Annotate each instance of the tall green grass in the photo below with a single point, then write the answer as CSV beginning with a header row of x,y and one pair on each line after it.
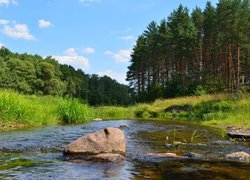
x,y
72,111
220,110
112,112
17,109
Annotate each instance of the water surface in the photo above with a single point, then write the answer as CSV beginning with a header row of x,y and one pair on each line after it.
x,y
37,153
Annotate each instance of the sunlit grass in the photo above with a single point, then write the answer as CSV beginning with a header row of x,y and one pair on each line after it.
x,y
25,110
72,111
217,109
112,112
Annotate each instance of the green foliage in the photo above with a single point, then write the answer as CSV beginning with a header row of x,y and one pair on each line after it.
x,y
146,112
110,112
194,136
30,74
17,109
199,91
205,51
212,109
72,111
14,108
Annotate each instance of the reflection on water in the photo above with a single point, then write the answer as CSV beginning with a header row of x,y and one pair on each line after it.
x,y
37,153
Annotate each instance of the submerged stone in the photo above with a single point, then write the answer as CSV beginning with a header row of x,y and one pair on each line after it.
x,y
239,156
165,155
193,155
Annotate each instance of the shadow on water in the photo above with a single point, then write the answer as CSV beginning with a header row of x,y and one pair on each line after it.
x,y
37,153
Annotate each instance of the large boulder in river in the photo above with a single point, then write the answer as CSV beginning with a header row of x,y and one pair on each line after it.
x,y
239,156
107,145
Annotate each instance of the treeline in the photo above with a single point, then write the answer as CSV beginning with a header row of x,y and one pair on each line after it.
x,y
202,51
32,74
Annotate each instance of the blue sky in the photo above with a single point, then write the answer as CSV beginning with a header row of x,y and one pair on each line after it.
x,y
94,35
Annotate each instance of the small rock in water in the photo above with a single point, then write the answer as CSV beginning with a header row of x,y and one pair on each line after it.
x,y
123,126
164,155
193,155
239,156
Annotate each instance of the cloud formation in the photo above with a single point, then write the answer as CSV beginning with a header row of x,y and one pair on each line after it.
x,y
120,77
43,23
1,45
121,56
88,50
18,31
71,57
7,2
4,22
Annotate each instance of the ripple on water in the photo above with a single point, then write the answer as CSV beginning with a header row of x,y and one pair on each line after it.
x,y
37,153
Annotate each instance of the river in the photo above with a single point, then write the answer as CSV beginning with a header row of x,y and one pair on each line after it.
x,y
37,153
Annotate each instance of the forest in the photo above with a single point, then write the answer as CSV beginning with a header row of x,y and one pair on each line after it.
x,y
33,74
205,51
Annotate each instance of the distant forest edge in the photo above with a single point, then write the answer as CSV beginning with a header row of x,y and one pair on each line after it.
x,y
32,74
206,51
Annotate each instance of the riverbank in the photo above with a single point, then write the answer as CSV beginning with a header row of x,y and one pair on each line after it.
x,y
18,111
221,110
218,110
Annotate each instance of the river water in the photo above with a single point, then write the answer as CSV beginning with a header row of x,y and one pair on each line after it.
x,y
37,153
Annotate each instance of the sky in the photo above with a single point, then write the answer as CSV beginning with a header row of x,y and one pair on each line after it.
x,y
96,36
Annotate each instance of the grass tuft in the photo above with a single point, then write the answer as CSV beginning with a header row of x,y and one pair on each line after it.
x,y
71,111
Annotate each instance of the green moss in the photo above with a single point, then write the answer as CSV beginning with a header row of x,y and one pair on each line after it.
x,y
9,161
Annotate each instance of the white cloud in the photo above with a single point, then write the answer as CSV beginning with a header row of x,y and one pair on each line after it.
x,y
126,38
18,31
120,77
71,52
4,22
121,56
43,23
1,45
7,2
88,2
72,58
88,50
